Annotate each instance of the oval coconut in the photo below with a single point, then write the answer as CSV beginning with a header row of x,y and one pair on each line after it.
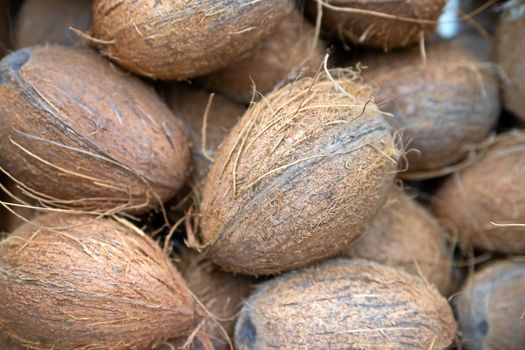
x,y
313,159
77,132
289,53
360,21
102,283
442,107
48,22
491,307
484,204
510,50
182,39
343,304
404,235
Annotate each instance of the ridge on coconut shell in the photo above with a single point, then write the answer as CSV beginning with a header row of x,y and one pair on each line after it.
x,y
77,132
313,159
175,40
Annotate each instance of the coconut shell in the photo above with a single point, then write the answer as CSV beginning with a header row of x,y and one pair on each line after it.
x,y
72,282
77,132
289,53
441,108
490,308
182,39
404,235
369,30
510,50
484,204
48,22
344,304
313,158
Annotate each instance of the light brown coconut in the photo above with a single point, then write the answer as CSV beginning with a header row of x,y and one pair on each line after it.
x,y
404,235
440,108
363,22
182,39
291,52
313,159
510,50
344,304
491,308
484,204
48,22
77,282
77,132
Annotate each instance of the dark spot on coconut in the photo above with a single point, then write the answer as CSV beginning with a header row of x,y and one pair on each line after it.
x,y
483,327
17,59
247,333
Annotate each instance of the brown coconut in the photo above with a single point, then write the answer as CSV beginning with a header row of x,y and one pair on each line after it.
x,y
384,24
75,282
291,52
344,304
404,235
510,50
440,108
48,22
491,308
484,204
312,159
182,39
78,132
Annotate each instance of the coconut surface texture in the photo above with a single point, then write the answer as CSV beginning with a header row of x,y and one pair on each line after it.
x,y
298,178
363,22
484,204
291,52
510,50
75,282
48,22
182,39
440,108
404,235
78,132
490,308
345,304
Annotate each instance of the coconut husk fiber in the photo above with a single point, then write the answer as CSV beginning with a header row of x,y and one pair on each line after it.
x,y
16,208
77,132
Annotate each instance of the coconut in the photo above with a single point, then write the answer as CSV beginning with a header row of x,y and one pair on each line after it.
x,y
406,236
181,39
48,21
491,307
313,158
484,204
441,107
101,282
76,132
292,51
510,50
384,24
345,303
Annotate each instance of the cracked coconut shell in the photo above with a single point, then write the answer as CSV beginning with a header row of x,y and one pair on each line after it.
x,y
77,282
77,132
298,178
491,308
345,304
182,39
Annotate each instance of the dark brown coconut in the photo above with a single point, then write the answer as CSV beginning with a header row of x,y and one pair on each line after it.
x,y
78,132
48,21
491,307
291,52
313,159
404,235
75,282
343,304
181,39
371,30
484,205
440,108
